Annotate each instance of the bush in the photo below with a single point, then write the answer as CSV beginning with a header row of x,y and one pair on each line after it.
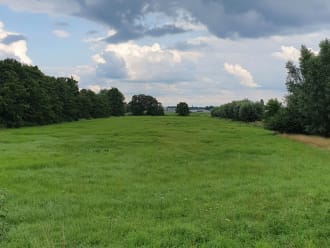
x,y
216,112
247,112
284,121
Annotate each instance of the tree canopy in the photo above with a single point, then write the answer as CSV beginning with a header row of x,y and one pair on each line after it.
x,y
182,109
308,99
145,105
29,97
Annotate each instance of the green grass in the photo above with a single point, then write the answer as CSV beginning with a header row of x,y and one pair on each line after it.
x,y
161,182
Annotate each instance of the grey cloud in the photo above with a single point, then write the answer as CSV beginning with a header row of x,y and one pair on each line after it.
x,y
12,38
114,68
256,18
166,29
139,31
224,18
125,17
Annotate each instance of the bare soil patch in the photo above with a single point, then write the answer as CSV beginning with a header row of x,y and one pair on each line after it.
x,y
315,141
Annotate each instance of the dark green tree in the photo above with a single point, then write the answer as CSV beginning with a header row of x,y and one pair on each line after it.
x,y
68,93
182,109
145,105
308,101
271,108
87,104
116,102
28,97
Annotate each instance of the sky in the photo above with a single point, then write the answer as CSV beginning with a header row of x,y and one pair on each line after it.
x,y
203,52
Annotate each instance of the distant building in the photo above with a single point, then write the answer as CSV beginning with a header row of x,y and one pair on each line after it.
x,y
199,110
172,109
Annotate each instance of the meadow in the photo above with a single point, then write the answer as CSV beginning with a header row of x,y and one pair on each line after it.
x,y
161,182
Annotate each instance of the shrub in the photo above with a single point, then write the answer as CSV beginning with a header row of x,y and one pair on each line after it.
x,y
244,110
284,121
247,112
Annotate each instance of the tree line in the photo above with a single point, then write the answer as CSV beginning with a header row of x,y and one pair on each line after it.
x,y
244,110
306,108
28,97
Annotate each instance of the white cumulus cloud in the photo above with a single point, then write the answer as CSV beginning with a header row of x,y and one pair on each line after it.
x,y
245,77
154,63
13,45
288,53
98,59
94,87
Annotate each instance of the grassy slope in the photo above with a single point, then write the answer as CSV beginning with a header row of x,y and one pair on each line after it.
x,y
162,182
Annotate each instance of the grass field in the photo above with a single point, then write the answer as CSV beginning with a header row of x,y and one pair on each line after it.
x,y
161,182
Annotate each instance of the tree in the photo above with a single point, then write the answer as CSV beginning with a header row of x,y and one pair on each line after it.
x,y
272,107
308,101
116,102
145,105
68,93
182,109
29,97
86,104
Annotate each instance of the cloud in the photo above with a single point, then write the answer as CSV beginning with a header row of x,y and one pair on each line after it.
x,y
13,45
136,19
98,59
242,74
288,54
94,87
82,73
45,6
110,65
154,63
11,38
61,33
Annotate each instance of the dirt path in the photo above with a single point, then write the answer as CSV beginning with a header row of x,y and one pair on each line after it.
x,y
315,141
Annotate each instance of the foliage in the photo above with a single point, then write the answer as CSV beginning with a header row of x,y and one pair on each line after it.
x,y
116,102
284,121
244,110
271,108
145,105
250,111
182,109
308,101
162,182
28,97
